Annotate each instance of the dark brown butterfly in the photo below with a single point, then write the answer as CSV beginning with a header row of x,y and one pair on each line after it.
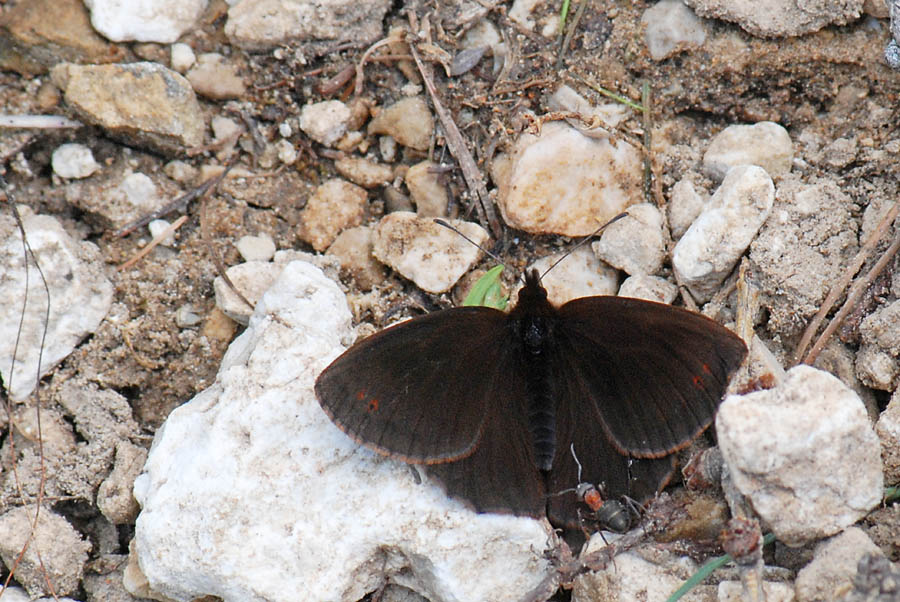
x,y
493,401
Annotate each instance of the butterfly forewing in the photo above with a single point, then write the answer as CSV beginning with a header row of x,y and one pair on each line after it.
x,y
418,391
653,374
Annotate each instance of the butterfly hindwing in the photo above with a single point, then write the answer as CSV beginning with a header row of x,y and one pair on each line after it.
x,y
580,434
653,374
420,390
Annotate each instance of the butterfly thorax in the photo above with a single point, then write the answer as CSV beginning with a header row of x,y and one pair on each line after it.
x,y
533,319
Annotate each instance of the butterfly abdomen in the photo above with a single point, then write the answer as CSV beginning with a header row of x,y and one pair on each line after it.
x,y
541,408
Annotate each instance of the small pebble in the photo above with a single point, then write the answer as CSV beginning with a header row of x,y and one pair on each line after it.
x,y
609,115
215,78
285,130
564,182
579,274
685,204
57,552
224,128
256,248
162,21
363,172
157,227
287,154
430,255
252,279
634,244
407,121
145,104
187,316
717,239
73,161
670,27
180,171
387,146
808,487
138,191
877,363
182,57
428,193
833,566
765,144
334,206
649,288
888,430
114,498
353,248
326,121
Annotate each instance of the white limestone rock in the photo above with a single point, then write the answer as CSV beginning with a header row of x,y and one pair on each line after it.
x,y
80,297
804,454
73,161
649,288
251,493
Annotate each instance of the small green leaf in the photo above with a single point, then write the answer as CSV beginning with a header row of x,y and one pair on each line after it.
x,y
487,291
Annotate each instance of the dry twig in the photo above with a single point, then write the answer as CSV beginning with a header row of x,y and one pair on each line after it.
x,y
154,243
856,291
460,151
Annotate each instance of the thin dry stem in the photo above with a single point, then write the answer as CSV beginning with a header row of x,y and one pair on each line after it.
x,y
154,243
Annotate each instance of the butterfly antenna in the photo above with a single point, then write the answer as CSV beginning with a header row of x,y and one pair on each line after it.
x,y
572,449
582,242
455,229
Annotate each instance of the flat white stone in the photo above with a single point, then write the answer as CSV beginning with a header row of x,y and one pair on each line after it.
x,y
804,454
256,248
251,493
80,297
428,254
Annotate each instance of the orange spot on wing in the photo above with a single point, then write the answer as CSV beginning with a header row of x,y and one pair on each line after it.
x,y
373,405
